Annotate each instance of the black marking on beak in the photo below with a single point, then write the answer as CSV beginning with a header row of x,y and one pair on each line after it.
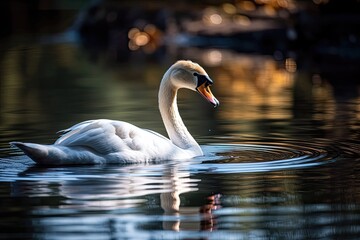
x,y
201,79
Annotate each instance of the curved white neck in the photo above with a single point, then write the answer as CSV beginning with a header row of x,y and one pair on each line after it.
x,y
174,125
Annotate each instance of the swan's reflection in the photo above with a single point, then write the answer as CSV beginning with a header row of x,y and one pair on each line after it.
x,y
162,202
170,203
139,190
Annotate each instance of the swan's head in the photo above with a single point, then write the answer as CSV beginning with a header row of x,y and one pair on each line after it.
x,y
190,75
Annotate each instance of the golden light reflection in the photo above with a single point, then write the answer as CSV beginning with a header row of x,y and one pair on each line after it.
x,y
132,32
148,39
246,5
242,20
326,107
290,65
214,57
283,3
141,39
138,38
252,83
212,17
215,18
229,8
269,10
252,88
278,3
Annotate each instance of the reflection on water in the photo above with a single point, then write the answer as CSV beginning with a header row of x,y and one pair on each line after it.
x,y
180,200
281,152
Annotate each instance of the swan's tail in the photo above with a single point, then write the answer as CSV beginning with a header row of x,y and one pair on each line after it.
x,y
37,152
58,155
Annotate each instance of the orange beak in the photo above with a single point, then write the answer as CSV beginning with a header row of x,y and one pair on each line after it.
x,y
204,90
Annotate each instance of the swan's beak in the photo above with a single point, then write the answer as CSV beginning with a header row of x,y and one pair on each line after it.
x,y
204,90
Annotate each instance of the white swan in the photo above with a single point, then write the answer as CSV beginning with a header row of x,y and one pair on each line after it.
x,y
109,141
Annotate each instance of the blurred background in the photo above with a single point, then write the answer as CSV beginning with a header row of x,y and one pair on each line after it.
x,y
272,60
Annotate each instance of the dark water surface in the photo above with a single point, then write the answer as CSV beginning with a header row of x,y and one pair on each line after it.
x,y
282,152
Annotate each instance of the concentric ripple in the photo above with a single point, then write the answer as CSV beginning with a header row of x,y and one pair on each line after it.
x,y
260,157
249,157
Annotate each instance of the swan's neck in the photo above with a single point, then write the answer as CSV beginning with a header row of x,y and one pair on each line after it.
x,y
174,125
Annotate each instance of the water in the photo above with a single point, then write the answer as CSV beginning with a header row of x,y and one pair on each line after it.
x,y
282,152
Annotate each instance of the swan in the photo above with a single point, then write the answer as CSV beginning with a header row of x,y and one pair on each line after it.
x,y
108,141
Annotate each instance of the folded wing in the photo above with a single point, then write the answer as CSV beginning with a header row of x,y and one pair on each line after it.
x,y
110,137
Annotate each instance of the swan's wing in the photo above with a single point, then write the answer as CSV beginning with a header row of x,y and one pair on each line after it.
x,y
76,126
106,136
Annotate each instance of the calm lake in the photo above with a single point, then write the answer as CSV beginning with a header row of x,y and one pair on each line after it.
x,y
282,151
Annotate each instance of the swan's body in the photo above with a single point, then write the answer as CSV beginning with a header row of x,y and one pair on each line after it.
x,y
108,141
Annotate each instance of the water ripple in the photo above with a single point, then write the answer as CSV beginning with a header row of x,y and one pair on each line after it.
x,y
260,157
250,157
